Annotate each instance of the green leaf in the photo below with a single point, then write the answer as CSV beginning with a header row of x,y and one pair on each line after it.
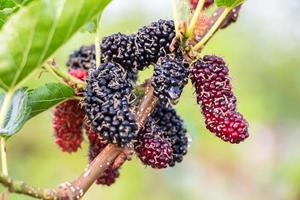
x,y
18,112
229,3
36,31
26,104
9,7
45,97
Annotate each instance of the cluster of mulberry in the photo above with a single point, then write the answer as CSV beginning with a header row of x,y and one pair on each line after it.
x,y
109,104
231,17
164,130
169,78
141,49
214,93
108,91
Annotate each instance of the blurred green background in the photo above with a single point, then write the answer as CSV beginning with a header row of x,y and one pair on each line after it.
x,y
262,50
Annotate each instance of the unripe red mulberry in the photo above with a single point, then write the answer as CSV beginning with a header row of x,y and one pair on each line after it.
x,y
207,3
97,144
67,124
78,73
214,93
173,129
152,148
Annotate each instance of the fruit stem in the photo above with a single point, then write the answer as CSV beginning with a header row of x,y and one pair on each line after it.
x,y
212,30
190,29
3,157
3,112
175,18
97,42
54,70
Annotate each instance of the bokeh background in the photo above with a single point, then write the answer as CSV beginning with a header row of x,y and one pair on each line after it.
x,y
262,50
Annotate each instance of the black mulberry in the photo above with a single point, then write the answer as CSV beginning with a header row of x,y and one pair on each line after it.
x,y
154,41
107,103
169,78
83,58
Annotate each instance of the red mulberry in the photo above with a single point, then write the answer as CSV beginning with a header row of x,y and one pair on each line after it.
x,y
67,124
214,93
107,103
97,144
207,3
169,78
152,148
173,128
78,73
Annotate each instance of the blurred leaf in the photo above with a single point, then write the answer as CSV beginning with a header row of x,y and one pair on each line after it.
x,y
90,27
45,97
7,4
9,7
229,3
26,104
35,32
17,114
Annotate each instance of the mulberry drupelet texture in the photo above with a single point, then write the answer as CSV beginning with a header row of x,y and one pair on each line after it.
x,y
214,93
107,103
67,124
153,148
83,58
169,78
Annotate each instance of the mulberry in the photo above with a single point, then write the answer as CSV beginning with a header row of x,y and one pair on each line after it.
x,y
154,41
67,124
107,103
169,78
231,17
78,73
214,93
152,148
97,144
173,128
83,58
118,48
207,3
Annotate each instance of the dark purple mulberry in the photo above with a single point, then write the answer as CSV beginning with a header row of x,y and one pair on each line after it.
x,y
83,58
107,103
214,93
152,148
173,128
169,78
